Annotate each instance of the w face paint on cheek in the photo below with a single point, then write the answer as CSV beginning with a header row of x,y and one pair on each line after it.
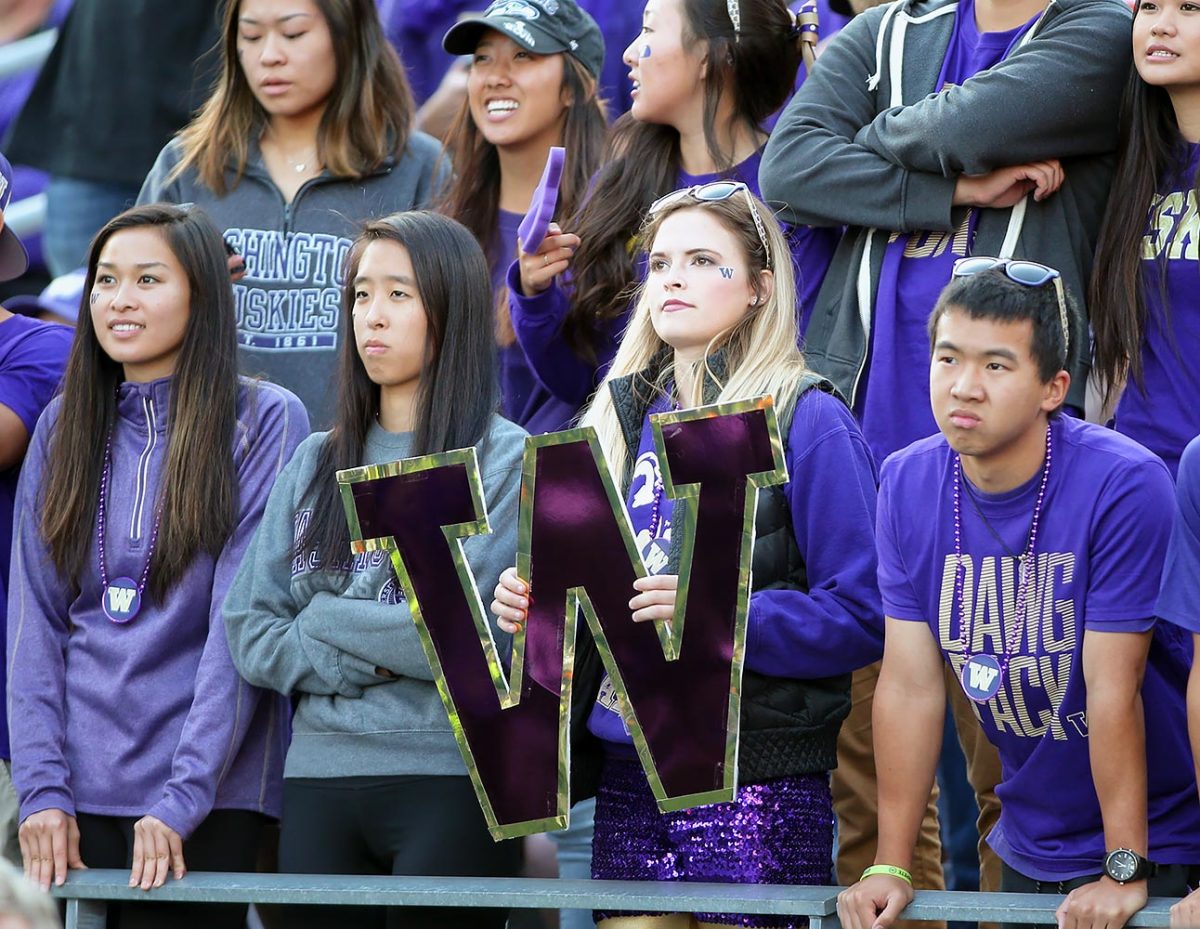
x,y
645,52
95,297
726,273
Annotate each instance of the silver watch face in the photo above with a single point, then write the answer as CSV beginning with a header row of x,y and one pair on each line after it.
x,y
1121,866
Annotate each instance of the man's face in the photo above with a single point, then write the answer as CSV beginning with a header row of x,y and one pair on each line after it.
x,y
987,393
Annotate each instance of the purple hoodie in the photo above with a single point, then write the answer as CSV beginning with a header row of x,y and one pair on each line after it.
x,y
152,719
538,320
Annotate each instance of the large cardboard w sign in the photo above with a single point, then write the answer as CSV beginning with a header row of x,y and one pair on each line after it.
x,y
679,681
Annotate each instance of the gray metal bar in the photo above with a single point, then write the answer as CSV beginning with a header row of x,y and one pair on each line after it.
x,y
516,893
818,903
26,54
962,906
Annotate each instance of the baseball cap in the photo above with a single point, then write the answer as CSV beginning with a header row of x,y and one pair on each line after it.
x,y
541,26
13,259
61,297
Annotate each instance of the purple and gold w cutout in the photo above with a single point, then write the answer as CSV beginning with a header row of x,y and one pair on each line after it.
x,y
680,695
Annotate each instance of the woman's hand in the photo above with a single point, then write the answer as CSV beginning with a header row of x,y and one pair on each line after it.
x,y
510,603
655,598
157,849
49,846
552,258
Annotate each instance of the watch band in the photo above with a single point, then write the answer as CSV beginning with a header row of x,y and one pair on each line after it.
x,y
1143,867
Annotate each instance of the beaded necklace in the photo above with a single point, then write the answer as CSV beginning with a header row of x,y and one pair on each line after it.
x,y
122,597
982,675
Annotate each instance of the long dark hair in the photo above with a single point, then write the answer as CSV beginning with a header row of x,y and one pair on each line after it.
x,y
199,496
474,196
457,395
643,160
368,116
1151,148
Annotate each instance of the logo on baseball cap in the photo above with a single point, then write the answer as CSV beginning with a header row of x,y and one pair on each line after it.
x,y
544,27
13,259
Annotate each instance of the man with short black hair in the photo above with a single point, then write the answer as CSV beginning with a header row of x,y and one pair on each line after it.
x,y
1024,548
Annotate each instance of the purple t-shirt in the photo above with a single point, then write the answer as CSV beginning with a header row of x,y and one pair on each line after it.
x,y
1100,545
893,404
33,355
1179,597
523,399
836,625
1163,413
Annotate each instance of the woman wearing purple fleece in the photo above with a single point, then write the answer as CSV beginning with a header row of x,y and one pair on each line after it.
x,y
715,321
532,85
707,74
135,743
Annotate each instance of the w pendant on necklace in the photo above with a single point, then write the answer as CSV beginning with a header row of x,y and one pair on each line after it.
x,y
981,678
122,599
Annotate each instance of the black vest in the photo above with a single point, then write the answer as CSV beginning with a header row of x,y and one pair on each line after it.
x,y
789,726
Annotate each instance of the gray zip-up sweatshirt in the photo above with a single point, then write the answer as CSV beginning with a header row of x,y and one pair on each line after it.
x,y
289,300
867,143
296,631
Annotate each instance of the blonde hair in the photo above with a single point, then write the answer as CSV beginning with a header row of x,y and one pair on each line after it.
x,y
23,900
761,352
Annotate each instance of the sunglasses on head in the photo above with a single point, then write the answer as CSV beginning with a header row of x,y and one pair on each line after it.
x,y
1022,271
712,193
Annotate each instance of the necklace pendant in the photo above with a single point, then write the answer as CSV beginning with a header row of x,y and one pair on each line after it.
x,y
300,168
122,600
981,678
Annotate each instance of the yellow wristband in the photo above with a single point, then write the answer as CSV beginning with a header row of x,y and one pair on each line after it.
x,y
890,870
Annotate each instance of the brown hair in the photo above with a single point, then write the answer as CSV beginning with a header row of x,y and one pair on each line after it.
x,y
199,496
368,115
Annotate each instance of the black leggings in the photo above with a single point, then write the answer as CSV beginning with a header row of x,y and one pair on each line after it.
x,y
390,825
227,840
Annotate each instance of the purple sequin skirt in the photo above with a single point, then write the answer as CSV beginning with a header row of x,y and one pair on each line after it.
x,y
776,832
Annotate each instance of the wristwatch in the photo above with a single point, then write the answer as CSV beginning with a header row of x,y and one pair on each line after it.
x,y
1124,865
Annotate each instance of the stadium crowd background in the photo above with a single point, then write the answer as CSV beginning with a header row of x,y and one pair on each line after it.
x,y
294,124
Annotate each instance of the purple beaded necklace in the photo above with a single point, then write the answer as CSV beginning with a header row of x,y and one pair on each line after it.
x,y
982,675
122,597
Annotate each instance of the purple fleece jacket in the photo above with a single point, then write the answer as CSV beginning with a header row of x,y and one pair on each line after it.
x,y
152,717
538,320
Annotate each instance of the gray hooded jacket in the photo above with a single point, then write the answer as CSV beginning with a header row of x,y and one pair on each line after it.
x,y
867,143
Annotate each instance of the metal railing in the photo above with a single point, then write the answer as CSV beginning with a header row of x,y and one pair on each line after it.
x,y
87,893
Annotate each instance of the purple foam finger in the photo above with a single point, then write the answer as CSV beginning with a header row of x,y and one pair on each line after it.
x,y
541,207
